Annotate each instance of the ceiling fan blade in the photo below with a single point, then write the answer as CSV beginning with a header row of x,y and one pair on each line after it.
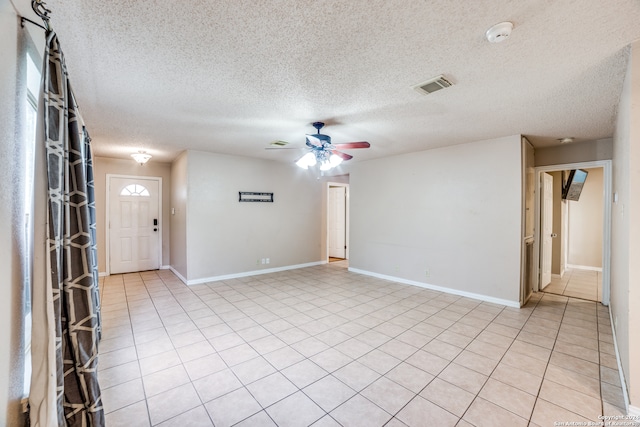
x,y
313,142
350,145
344,156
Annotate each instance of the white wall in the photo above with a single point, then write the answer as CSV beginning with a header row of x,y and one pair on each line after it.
x,y
585,222
588,151
224,236
625,228
178,217
456,211
104,166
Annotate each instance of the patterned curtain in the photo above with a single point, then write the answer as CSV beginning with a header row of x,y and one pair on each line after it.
x,y
71,242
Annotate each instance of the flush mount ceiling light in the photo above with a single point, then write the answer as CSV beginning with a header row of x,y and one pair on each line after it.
x,y
566,140
141,157
499,32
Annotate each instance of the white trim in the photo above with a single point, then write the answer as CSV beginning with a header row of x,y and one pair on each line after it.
x,y
108,214
180,276
606,223
620,372
165,267
347,214
634,410
584,267
102,274
246,273
508,303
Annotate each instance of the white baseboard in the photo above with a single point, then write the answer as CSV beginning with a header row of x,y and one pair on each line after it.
x,y
634,411
629,408
102,274
180,276
508,303
247,273
584,267
165,267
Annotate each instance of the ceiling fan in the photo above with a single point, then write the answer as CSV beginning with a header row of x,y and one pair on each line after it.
x,y
323,152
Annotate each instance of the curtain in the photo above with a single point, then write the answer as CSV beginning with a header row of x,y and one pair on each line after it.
x,y
72,300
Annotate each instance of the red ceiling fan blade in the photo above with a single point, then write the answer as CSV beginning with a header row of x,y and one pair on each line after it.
x,y
350,145
344,156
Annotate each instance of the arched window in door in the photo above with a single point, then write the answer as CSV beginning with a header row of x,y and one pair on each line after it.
x,y
135,190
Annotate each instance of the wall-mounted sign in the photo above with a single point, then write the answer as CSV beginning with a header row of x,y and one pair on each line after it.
x,y
248,196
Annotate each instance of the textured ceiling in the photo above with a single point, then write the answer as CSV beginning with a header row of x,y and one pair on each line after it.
x,y
232,76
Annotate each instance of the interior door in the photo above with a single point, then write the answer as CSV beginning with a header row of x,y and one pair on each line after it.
x,y
337,222
547,229
134,226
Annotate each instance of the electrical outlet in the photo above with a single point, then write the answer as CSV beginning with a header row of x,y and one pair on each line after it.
x,y
427,273
267,260
263,261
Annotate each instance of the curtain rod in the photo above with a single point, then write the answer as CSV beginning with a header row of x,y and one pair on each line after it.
x,y
23,19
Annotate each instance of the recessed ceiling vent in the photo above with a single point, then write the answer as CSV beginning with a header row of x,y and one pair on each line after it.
x,y
279,143
433,85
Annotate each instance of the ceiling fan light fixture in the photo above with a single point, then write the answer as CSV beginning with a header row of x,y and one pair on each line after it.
x,y
335,160
307,160
141,157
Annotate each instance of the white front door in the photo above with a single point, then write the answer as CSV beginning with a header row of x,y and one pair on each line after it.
x,y
547,229
337,222
134,225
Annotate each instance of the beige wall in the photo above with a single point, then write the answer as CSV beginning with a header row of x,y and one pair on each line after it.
x,y
104,166
601,149
226,237
178,216
625,228
456,211
585,222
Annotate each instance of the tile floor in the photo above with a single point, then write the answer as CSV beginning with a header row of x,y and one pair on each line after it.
x,y
585,284
325,347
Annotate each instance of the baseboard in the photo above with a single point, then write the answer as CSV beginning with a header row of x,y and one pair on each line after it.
x,y
584,267
634,411
165,267
102,274
180,276
625,394
248,273
508,303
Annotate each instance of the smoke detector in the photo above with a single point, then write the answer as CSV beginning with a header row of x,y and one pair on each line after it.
x,y
499,32
432,85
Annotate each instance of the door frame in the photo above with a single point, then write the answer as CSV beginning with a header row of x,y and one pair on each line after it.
x,y
543,225
606,220
109,176
346,208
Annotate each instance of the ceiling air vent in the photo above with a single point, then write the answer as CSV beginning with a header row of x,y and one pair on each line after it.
x,y
432,85
279,143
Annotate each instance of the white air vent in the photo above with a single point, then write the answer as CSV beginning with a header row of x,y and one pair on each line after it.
x,y
279,143
432,85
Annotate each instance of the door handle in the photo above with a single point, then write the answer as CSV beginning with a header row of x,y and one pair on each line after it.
x,y
155,221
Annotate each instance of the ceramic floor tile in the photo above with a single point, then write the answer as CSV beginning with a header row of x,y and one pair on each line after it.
x,y
260,419
410,377
331,360
164,380
482,413
135,415
464,378
355,410
304,373
517,378
253,370
356,375
571,400
329,392
122,395
508,397
422,413
448,396
171,403
196,417
216,385
271,389
118,374
284,357
232,408
296,410
204,366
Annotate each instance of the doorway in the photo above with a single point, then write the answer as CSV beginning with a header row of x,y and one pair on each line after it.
x,y
133,217
337,222
572,238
